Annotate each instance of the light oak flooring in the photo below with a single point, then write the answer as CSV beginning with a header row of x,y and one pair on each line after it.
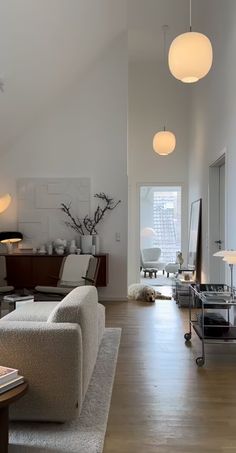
x,y
162,402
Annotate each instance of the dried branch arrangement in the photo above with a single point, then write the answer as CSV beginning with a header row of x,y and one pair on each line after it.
x,y
88,225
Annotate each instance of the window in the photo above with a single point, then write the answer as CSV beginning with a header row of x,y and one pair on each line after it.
x,y
160,219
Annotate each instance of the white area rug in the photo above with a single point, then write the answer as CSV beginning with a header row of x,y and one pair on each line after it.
x,y
87,433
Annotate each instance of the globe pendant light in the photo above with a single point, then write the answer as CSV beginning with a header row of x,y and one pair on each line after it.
x,y
164,142
190,55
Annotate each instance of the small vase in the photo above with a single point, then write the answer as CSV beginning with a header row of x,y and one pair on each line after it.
x,y
96,242
72,248
86,243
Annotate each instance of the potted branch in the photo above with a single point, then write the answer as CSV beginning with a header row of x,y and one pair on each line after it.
x,y
87,226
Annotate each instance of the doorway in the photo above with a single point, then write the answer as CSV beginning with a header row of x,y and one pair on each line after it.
x,y
217,220
160,221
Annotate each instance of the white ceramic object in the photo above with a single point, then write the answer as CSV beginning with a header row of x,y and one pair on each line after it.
x,y
72,248
96,242
59,250
49,249
42,250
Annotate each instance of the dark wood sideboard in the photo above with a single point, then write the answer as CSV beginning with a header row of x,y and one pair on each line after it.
x,y
26,270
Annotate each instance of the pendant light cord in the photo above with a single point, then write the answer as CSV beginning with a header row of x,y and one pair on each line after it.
x,y
190,15
164,28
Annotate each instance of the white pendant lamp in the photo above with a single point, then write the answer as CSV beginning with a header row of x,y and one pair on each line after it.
x,y
190,55
164,142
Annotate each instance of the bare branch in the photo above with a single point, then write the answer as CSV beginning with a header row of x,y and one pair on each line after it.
x,y
90,224
74,224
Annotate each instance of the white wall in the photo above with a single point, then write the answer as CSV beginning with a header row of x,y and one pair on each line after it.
x,y
213,115
155,99
86,135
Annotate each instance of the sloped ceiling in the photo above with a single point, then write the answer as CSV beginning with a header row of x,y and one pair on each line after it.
x,y
44,46
145,21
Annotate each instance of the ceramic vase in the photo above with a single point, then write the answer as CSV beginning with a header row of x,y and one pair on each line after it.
x,y
96,242
72,248
86,243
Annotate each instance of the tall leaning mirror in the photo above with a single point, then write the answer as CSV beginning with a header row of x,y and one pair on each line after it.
x,y
194,244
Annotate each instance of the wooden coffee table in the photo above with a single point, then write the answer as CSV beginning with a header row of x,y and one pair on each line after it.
x,y
6,399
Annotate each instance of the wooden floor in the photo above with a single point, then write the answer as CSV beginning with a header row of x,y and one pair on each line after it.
x,y
163,403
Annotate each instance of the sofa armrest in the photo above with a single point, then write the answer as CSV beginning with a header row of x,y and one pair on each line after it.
x,y
49,356
81,306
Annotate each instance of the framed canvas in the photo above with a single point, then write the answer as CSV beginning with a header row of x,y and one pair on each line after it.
x,y
194,244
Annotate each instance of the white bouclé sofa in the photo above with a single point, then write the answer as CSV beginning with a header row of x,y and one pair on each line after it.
x,y
55,346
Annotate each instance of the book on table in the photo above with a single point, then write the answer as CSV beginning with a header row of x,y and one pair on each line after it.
x,y
11,385
17,298
9,378
7,374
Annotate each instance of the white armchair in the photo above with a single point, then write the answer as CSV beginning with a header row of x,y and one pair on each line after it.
x,y
76,270
150,259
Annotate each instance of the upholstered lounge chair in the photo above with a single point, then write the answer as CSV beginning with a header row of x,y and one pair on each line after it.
x,y
6,289
150,259
76,270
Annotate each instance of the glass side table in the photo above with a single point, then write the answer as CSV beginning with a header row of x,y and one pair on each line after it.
x,y
183,291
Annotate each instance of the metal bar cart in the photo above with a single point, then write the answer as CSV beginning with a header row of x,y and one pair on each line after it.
x,y
210,297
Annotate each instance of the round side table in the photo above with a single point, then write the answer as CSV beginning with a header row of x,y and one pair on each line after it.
x,y
6,399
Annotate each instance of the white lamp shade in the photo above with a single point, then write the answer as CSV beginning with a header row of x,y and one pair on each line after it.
x,y
4,202
225,253
190,57
230,259
164,143
221,253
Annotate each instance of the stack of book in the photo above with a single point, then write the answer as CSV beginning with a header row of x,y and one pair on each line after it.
x,y
17,298
9,378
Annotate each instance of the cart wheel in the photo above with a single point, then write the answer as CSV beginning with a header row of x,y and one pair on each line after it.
x,y
200,361
187,336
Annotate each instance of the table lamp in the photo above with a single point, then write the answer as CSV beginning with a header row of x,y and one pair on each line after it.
x,y
229,256
9,238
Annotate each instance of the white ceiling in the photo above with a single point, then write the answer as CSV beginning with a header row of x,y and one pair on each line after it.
x,y
44,46
145,21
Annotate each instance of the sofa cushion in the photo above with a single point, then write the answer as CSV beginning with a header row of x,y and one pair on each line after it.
x,y
31,311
